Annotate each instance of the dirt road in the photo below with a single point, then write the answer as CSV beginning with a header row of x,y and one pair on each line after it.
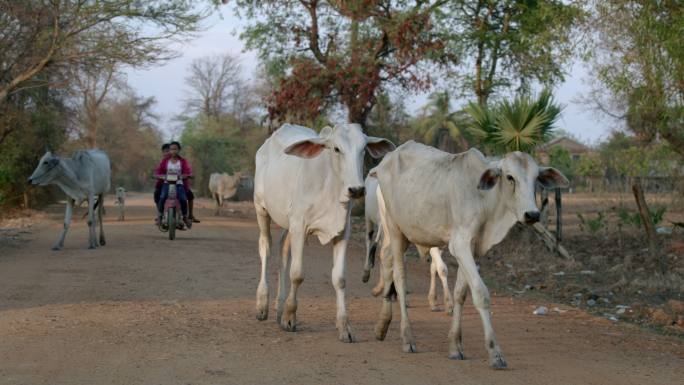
x,y
145,310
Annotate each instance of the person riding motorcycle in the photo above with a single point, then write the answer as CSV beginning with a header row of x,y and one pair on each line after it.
x,y
174,164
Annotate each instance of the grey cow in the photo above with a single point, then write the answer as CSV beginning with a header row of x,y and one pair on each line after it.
x,y
83,177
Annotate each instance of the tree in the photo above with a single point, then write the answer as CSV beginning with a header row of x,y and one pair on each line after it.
x,y
90,89
214,81
37,35
442,127
506,43
326,52
388,119
638,61
520,125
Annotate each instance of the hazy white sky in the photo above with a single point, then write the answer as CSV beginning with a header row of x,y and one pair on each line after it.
x,y
166,83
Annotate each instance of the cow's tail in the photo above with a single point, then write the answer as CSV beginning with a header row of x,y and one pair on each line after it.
x,y
218,201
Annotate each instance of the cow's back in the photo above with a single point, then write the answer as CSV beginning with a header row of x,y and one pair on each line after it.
x,y
423,187
94,165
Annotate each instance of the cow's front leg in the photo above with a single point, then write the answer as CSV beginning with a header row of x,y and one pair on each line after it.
x,y
264,221
92,234
460,247
344,330
456,333
289,318
282,274
67,221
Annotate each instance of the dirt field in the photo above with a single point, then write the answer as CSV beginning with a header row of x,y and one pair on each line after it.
x,y
145,310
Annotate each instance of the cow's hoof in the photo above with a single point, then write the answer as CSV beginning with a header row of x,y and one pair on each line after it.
x,y
410,348
496,359
435,308
262,315
92,247
366,276
377,291
288,326
499,363
102,242
56,248
457,356
346,335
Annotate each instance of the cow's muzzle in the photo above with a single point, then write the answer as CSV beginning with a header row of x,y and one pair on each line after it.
x,y
356,192
531,217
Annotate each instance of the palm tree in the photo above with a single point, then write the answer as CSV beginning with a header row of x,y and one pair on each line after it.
x,y
520,125
441,127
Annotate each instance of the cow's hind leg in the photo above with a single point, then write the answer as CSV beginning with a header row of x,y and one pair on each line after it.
x,y
370,251
92,234
438,267
289,318
344,330
456,333
100,212
67,221
282,274
460,247
264,221
388,294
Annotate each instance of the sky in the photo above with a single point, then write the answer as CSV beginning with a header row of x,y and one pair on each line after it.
x,y
167,82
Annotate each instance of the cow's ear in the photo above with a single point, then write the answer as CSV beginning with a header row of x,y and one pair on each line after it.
x,y
489,178
308,148
378,147
550,178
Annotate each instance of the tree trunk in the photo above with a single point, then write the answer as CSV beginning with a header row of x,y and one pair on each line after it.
x,y
646,219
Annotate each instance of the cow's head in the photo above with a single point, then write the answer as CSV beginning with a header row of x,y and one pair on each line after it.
x,y
46,171
516,175
347,144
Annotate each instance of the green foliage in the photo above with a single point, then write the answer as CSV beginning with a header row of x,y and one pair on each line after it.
x,y
212,146
440,126
590,165
623,155
520,125
593,225
33,129
561,159
633,218
637,57
508,44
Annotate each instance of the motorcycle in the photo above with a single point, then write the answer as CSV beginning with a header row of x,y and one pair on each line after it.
x,y
171,216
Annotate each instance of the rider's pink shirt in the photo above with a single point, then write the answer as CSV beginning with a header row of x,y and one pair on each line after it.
x,y
185,169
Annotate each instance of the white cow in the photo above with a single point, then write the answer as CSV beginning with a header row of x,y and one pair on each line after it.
x,y
120,200
223,186
434,199
373,236
84,176
305,182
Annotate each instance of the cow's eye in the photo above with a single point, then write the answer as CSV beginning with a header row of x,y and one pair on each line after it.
x,y
337,149
510,178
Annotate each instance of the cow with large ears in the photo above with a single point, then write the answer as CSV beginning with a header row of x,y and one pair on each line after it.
x,y
305,182
463,201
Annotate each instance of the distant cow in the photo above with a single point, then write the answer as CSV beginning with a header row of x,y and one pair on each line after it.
x,y
433,199
120,200
374,234
305,183
223,186
84,176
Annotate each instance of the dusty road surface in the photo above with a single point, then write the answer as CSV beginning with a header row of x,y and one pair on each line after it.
x,y
145,310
